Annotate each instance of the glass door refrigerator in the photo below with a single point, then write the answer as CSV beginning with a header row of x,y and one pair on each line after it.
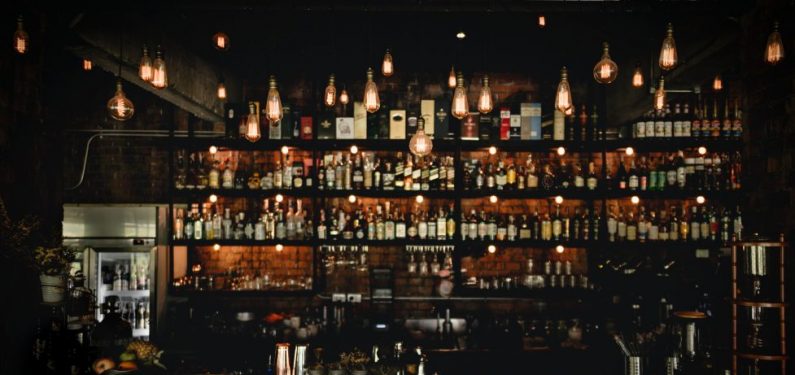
x,y
119,259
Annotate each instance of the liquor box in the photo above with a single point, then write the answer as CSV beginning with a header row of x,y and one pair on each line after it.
x,y
530,114
326,128
486,128
344,128
427,112
505,123
286,122
306,127
441,123
411,122
559,126
469,127
516,127
359,121
397,124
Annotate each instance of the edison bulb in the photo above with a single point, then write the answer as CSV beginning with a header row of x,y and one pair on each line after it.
x,y
252,124
559,199
717,83
21,38
352,198
461,35
605,71
460,107
629,151
659,96
700,199
419,199
387,66
159,74
279,247
491,249
330,95
145,66
354,149
493,199
451,80
668,54
119,107
221,41
492,150
702,150
561,151
563,94
213,150
560,249
371,100
420,143
273,104
87,65
774,51
635,199
344,99
637,77
221,91
284,150
485,103
213,198
542,21
279,198
216,247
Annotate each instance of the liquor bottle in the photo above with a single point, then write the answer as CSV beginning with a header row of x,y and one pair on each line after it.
x,y
687,121
532,176
695,224
621,227
695,125
621,175
668,130
632,227
633,181
593,180
737,124
596,131
677,121
659,124
583,124
650,121
578,180
557,223
715,124
726,129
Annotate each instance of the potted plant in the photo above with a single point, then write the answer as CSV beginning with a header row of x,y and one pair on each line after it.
x,y
53,264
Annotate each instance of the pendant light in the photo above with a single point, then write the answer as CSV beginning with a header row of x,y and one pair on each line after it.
x,y
542,21
119,107
668,54
460,107
563,94
273,105
451,80
21,38
387,66
221,41
330,95
344,98
221,92
774,51
717,83
605,71
420,144
485,102
252,124
88,65
371,100
637,77
659,96
145,66
159,74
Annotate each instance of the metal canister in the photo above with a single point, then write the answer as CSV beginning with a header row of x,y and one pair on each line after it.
x,y
299,360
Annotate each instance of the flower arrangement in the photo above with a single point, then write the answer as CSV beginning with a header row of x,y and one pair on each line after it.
x,y
54,261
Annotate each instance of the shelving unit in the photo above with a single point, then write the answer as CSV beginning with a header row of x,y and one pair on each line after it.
x,y
759,291
597,198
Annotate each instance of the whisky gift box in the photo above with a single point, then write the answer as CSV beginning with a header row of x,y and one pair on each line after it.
x,y
286,122
427,108
326,128
234,113
344,128
306,127
397,124
530,114
486,128
516,127
441,123
469,127
359,121
505,123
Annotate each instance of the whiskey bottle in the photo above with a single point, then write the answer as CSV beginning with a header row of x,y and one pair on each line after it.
x,y
715,124
686,121
695,126
726,129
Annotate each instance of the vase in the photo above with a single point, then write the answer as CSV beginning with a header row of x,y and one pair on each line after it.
x,y
53,288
